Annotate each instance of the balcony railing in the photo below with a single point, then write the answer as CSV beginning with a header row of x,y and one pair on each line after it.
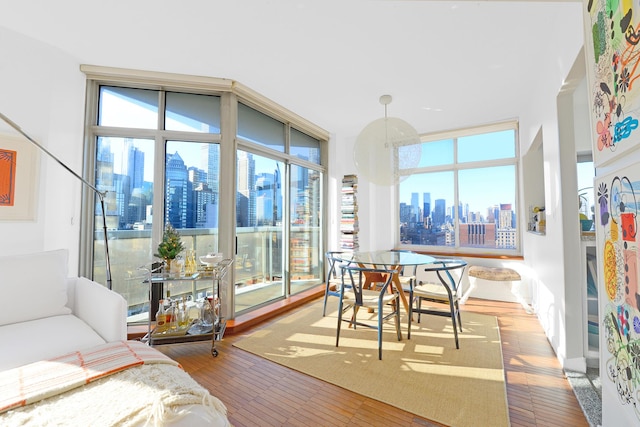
x,y
258,273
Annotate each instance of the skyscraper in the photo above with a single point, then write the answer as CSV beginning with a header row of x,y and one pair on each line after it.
x,y
177,193
415,206
439,212
426,205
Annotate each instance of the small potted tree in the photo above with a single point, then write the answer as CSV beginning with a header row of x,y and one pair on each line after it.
x,y
170,246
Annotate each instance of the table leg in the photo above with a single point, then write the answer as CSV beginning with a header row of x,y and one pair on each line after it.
x,y
395,280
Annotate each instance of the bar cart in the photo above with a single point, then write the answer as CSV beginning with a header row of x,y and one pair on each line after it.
x,y
207,323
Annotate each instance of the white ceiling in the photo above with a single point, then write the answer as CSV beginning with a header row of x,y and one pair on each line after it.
x,y
447,64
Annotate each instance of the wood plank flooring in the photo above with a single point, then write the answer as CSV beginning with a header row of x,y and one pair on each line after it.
x,y
258,392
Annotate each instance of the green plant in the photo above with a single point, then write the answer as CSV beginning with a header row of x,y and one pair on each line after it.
x,y
171,244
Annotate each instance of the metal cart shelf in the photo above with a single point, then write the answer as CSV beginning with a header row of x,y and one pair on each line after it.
x,y
215,274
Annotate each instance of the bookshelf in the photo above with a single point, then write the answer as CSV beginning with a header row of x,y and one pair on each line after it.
x,y
349,214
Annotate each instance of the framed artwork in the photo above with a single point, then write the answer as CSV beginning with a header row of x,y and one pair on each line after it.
x,y
618,195
612,52
19,161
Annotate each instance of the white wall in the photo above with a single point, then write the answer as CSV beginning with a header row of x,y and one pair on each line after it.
x,y
553,258
43,92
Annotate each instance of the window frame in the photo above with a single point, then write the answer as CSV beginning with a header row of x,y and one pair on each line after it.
x,y
231,93
456,167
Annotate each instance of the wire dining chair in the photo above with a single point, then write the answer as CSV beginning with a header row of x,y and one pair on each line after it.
x,y
353,295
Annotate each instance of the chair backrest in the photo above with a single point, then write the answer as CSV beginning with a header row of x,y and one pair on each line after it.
x,y
448,270
332,262
354,277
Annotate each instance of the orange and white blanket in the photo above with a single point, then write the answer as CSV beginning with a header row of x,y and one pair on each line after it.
x,y
36,381
119,383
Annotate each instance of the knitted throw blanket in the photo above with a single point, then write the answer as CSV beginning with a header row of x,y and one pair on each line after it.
x,y
120,383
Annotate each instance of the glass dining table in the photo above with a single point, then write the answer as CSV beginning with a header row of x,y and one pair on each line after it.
x,y
392,260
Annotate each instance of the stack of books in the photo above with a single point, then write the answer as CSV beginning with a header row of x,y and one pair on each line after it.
x,y
349,213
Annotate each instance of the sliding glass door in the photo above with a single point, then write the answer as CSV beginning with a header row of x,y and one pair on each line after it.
x,y
259,231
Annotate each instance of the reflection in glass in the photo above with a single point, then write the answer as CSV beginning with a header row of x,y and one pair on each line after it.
x,y
124,168
304,147
304,244
259,227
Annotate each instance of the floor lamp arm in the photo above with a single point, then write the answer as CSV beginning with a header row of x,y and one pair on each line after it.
x,y
101,194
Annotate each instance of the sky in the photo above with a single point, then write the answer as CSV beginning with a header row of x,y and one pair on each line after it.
x,y
479,188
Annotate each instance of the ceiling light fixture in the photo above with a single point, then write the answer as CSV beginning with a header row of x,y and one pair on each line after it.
x,y
385,147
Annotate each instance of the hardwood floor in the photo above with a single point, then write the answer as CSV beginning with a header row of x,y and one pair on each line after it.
x,y
258,392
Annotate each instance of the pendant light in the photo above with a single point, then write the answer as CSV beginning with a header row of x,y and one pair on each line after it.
x,y
386,146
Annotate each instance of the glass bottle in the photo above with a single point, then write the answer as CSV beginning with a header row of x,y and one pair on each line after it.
x,y
161,317
206,316
183,318
172,317
190,263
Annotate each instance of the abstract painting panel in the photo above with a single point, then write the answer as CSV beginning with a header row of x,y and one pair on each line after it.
x,y
18,179
618,196
612,43
8,159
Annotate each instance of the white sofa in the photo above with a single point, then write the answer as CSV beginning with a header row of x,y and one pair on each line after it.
x,y
44,313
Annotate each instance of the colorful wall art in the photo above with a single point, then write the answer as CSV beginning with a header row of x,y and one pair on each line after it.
x,y
18,179
617,201
8,159
612,46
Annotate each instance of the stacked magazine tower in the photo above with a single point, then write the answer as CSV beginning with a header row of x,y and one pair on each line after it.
x,y
349,211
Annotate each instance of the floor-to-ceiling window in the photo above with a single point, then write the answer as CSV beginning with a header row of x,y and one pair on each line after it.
x,y
158,152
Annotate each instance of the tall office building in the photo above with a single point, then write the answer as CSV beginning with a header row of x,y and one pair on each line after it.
x,y
426,205
210,157
439,212
415,205
178,193
205,206
506,236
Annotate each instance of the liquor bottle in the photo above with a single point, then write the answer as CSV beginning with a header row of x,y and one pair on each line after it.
x,y
161,317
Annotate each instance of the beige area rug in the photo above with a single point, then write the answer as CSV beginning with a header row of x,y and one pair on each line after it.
x,y
425,375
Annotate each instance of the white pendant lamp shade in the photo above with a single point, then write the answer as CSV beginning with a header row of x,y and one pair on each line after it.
x,y
384,146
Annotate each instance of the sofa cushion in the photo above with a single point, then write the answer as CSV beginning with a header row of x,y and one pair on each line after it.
x,y
35,284
34,340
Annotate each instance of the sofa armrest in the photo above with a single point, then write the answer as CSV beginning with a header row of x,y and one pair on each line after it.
x,y
104,310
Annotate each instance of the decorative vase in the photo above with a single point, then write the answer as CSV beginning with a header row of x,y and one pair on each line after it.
x,y
167,268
